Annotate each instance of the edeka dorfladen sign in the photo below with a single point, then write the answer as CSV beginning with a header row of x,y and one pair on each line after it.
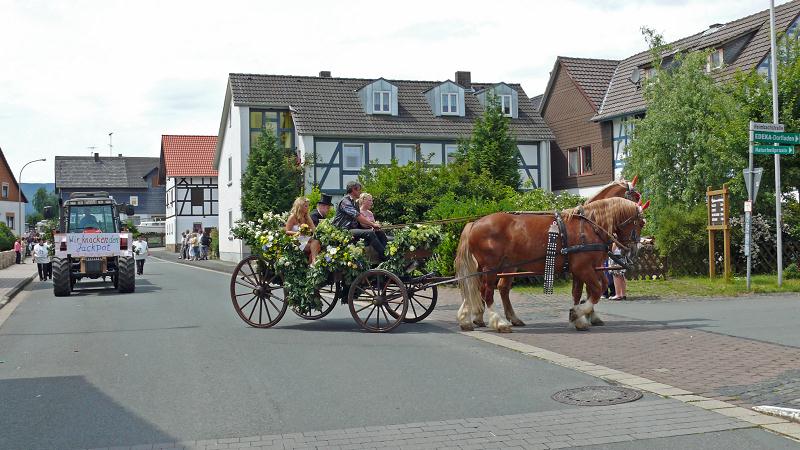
x,y
93,244
775,137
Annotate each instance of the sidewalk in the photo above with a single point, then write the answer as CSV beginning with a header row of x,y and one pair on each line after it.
x,y
14,278
211,264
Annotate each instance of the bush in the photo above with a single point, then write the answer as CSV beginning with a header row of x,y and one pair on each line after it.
x,y
7,237
681,238
792,272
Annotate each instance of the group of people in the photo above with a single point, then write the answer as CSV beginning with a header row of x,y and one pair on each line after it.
x,y
195,245
353,213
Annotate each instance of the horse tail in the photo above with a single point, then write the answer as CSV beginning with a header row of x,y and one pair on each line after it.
x,y
466,265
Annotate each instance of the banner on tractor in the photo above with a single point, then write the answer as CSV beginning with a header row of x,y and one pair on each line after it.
x,y
89,244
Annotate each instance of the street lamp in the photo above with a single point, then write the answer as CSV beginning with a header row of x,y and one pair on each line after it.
x,y
21,226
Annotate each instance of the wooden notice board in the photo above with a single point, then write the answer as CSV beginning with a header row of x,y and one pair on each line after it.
x,y
718,202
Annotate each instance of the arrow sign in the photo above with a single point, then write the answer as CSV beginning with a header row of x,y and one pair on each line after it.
x,y
773,150
756,178
774,137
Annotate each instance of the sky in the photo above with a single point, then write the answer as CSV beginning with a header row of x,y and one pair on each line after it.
x,y
71,72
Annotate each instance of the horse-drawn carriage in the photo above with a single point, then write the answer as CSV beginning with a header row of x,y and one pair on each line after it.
x,y
379,300
492,251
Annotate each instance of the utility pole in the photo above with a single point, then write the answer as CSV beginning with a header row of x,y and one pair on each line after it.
x,y
110,152
774,72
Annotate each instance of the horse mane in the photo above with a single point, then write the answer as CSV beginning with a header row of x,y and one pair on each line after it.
x,y
603,191
606,212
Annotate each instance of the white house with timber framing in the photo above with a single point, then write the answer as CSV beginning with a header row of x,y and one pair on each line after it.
x,y
191,186
336,126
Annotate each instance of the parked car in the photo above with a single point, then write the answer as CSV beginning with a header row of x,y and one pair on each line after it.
x,y
152,226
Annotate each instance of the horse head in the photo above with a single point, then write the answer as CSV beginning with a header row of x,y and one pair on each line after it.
x,y
617,188
619,217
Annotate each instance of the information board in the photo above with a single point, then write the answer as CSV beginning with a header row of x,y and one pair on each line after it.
x,y
717,204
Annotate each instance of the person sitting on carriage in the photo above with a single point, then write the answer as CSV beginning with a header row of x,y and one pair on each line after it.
x,y
321,211
364,204
350,218
301,225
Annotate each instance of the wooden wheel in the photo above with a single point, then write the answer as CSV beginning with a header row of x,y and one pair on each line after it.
x,y
257,293
378,300
326,295
420,303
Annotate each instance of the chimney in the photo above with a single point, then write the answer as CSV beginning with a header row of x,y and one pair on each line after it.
x,y
464,79
324,73
97,157
119,155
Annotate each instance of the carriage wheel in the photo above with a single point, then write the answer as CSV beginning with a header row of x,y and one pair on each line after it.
x,y
378,300
327,296
257,293
421,303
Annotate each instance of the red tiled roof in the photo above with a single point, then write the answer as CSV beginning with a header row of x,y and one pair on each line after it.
x,y
188,156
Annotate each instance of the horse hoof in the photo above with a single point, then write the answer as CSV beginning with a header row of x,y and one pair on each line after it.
x,y
582,324
518,323
572,315
467,328
479,323
504,329
598,322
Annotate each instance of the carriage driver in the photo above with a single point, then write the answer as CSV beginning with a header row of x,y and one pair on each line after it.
x,y
349,218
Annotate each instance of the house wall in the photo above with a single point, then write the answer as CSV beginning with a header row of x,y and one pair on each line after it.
x,y
150,201
568,113
331,175
9,204
11,209
182,219
621,129
236,145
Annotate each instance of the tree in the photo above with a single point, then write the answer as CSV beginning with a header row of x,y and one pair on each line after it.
x,y
33,219
688,140
43,198
492,148
272,181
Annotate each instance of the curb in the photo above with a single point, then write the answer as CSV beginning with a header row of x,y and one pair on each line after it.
x,y
6,299
192,265
779,425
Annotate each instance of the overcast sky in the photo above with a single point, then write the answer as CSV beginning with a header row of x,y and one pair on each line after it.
x,y
73,71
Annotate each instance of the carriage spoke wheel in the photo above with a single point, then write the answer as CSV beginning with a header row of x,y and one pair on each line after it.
x,y
378,300
326,296
420,303
257,293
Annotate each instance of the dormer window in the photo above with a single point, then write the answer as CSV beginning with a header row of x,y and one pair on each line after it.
x,y
505,105
382,102
450,103
715,60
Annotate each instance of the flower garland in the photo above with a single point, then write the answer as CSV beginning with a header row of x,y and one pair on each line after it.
x,y
339,255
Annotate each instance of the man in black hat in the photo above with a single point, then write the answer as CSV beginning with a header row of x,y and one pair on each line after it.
x,y
323,207
348,217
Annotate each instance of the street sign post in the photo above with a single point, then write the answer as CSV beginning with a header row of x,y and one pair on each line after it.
x,y
773,149
756,179
758,126
776,137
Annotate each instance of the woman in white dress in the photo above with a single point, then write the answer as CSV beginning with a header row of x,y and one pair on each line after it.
x,y
300,217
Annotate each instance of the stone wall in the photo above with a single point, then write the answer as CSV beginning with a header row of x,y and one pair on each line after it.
x,y
7,258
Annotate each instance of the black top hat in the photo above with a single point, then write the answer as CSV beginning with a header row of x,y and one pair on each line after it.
x,y
325,200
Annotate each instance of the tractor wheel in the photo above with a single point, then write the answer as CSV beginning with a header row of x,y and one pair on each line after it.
x,y
62,284
126,274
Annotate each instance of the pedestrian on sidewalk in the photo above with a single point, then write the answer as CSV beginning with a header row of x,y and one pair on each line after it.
x,y
620,283
205,242
18,249
183,246
49,266
41,257
140,254
194,251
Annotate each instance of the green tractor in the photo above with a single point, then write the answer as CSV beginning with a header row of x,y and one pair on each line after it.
x,y
90,243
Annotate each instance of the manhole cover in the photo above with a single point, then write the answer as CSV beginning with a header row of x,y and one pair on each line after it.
x,y
597,396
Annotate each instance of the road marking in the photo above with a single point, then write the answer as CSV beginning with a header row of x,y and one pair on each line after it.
x,y
772,423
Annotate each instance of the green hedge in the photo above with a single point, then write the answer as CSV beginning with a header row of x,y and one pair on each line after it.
x,y
7,238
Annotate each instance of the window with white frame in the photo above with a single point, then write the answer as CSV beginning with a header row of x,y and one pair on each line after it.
x,y
715,60
10,221
134,200
230,169
450,153
230,218
405,153
505,105
352,156
450,103
381,102
579,161
5,190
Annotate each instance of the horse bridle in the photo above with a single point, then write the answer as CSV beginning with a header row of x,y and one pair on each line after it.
x,y
634,239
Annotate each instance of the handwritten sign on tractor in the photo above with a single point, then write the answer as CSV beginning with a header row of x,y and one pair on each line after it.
x,y
93,244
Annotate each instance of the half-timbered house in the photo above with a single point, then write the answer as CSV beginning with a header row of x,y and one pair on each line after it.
x,y
337,126
192,201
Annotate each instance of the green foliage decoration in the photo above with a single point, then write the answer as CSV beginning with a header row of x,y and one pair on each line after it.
x,y
409,239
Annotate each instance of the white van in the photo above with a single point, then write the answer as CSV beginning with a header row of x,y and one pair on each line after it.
x,y
151,227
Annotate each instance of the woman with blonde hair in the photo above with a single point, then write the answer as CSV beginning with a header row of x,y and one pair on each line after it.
x,y
365,208
300,224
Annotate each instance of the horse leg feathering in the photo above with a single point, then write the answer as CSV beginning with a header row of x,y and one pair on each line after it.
x,y
465,266
504,286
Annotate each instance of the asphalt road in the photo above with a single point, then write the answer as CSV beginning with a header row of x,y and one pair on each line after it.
x,y
173,362
769,318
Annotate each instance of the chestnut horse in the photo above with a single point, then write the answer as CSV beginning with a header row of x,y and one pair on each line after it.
x,y
618,188
507,242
